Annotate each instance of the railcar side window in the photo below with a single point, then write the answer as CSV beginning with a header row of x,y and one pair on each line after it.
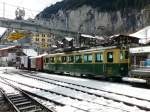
x,y
110,57
64,59
98,57
126,54
47,60
78,59
71,59
88,58
85,58
58,59
52,59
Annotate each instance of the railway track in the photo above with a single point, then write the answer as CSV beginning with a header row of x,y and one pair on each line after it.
x,y
4,106
75,108
86,92
21,101
80,104
82,87
132,100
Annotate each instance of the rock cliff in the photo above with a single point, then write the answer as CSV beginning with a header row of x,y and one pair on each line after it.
x,y
91,20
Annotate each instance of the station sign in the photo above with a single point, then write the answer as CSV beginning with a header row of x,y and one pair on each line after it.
x,y
16,36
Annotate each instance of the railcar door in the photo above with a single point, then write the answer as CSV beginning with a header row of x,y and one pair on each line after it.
x,y
111,62
124,62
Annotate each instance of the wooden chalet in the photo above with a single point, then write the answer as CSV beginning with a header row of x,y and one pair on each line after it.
x,y
124,41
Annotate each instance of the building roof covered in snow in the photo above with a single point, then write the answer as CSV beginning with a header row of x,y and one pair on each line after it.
x,y
68,38
120,40
39,55
143,35
9,47
30,52
94,37
145,49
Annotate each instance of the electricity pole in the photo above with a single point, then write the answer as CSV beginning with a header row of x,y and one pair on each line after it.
x,y
3,9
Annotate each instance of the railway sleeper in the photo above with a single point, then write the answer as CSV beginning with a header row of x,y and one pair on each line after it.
x,y
23,103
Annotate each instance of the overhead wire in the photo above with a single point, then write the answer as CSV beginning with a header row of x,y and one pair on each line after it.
x,y
19,7
29,12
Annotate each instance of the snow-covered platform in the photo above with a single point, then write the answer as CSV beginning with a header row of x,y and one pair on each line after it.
x,y
143,72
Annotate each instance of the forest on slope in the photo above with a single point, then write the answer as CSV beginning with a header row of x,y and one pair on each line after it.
x,y
100,5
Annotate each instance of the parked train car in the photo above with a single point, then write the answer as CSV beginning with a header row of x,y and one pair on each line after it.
x,y
108,62
32,63
25,62
39,62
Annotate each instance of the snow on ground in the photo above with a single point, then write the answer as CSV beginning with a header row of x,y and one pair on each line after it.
x,y
72,103
68,101
114,87
82,95
7,89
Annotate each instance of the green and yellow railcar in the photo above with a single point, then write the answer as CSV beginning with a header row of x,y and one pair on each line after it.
x,y
97,62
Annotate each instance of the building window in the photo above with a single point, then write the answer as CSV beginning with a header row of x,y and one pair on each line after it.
x,y
37,35
110,57
37,39
43,35
43,40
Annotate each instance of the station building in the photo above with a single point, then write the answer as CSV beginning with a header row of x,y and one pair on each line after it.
x,y
42,41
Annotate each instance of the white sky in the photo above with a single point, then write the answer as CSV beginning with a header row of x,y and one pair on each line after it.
x,y
32,7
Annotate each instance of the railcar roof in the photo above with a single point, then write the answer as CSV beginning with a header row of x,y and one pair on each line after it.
x,y
79,51
9,47
39,56
98,48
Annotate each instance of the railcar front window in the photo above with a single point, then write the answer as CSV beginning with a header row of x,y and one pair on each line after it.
x,y
110,57
126,54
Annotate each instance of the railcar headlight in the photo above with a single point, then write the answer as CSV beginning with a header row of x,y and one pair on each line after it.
x,y
122,68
